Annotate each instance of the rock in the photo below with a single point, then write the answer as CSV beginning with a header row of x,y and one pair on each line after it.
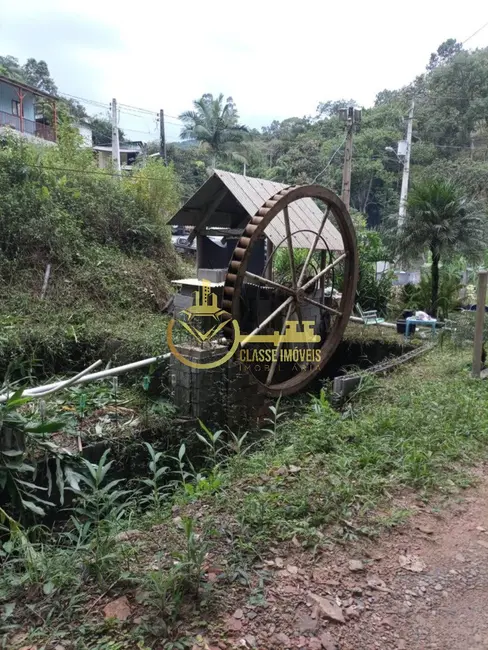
x,y
481,529
293,570
295,542
328,608
373,554
411,563
283,639
352,612
376,583
307,624
401,644
128,535
357,591
425,529
234,624
327,641
460,558
119,609
279,562
314,643
250,640
438,587
238,613
356,565
290,589
388,622
482,543
59,647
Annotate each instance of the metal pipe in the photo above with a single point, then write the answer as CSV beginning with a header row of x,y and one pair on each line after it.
x,y
83,378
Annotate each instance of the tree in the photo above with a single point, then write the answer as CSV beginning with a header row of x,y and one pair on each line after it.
x,y
445,53
442,221
102,131
214,124
36,74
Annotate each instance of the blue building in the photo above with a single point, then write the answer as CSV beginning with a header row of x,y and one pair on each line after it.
x,y
27,110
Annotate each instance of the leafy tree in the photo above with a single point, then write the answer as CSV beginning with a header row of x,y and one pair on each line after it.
x,y
10,67
442,221
36,74
444,53
102,131
214,124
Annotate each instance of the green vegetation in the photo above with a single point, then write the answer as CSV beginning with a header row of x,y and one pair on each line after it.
x,y
214,125
315,475
442,221
109,248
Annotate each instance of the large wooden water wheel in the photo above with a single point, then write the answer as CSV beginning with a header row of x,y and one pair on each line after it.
x,y
292,298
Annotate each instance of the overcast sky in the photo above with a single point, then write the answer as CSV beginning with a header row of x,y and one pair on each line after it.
x,y
276,59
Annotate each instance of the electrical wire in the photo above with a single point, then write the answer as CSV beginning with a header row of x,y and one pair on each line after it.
x,y
474,33
330,161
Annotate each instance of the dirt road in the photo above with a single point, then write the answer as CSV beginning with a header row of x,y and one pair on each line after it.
x,y
423,586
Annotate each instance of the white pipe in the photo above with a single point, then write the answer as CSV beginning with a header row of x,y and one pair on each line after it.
x,y
83,378
68,382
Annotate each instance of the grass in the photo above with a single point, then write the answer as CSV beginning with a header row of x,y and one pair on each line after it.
x,y
317,475
418,428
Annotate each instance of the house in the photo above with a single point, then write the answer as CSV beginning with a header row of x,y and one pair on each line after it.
x,y
27,110
86,132
129,151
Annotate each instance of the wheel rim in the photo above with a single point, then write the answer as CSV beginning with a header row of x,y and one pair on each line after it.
x,y
294,297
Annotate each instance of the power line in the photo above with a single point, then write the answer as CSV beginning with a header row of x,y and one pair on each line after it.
x,y
474,33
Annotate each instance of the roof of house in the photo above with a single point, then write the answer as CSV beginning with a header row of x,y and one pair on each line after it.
x,y
23,86
245,195
122,149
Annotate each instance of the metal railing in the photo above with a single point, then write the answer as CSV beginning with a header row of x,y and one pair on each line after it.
x,y
31,127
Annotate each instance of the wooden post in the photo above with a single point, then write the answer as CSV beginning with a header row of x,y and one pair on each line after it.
x,y
480,318
199,259
269,258
323,256
46,280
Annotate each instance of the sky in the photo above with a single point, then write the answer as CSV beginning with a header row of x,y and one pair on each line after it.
x,y
276,59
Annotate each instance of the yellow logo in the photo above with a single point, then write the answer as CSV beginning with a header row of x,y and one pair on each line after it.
x,y
207,308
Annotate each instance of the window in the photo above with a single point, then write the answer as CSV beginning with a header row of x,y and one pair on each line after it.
x,y
15,107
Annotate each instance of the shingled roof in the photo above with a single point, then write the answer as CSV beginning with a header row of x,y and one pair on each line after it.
x,y
244,196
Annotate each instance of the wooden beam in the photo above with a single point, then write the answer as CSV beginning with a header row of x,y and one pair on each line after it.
x,y
208,213
269,258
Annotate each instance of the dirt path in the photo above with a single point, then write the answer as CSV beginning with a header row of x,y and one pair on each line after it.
x,y
423,586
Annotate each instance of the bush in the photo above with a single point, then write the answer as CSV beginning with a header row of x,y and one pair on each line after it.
x,y
56,205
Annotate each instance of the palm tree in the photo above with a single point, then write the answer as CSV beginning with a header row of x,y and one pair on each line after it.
x,y
215,124
441,220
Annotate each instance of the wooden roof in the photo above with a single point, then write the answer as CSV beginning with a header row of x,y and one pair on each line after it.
x,y
29,89
244,196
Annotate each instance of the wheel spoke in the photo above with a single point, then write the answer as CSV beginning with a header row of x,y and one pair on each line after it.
x,y
271,372
290,248
298,310
267,320
322,306
314,245
324,271
270,283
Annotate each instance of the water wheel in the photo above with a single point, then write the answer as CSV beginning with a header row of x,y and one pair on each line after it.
x,y
291,298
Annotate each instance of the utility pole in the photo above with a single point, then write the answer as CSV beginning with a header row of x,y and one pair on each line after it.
x,y
162,137
480,318
115,137
402,212
351,116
